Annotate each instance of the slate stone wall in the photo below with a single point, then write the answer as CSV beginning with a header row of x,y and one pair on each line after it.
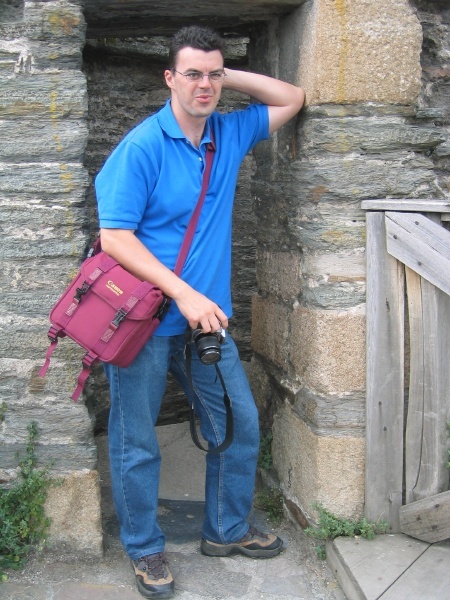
x,y
44,222
353,141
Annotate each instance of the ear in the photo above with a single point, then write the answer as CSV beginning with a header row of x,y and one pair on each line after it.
x,y
168,76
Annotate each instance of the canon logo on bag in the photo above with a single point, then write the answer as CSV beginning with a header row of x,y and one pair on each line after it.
x,y
114,288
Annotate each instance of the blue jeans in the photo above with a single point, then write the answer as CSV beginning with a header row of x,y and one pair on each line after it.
x,y
136,394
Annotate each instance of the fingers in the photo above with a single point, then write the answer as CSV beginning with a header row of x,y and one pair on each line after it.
x,y
212,321
202,312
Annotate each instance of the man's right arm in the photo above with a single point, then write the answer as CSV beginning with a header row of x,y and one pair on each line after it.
x,y
129,251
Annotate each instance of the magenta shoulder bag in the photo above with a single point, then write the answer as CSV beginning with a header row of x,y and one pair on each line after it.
x,y
110,312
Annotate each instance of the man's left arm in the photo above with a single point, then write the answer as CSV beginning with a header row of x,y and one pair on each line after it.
x,y
283,99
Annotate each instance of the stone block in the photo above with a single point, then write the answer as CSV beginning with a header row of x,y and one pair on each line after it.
x,y
318,199
27,277
74,510
261,387
61,95
336,414
371,132
49,20
40,242
49,179
279,274
270,332
328,349
352,176
335,266
29,141
60,420
317,468
334,280
349,52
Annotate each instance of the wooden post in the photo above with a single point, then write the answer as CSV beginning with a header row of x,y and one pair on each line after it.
x,y
385,377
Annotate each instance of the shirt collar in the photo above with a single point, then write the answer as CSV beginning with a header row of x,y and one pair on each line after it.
x,y
170,125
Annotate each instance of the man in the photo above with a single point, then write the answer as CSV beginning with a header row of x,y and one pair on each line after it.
x,y
146,193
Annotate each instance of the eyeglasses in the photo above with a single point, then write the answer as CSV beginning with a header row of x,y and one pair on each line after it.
x,y
215,76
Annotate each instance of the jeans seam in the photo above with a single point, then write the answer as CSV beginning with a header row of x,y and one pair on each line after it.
x,y
122,458
221,458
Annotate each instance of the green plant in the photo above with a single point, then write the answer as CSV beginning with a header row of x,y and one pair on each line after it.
x,y
330,527
271,502
23,523
265,451
2,411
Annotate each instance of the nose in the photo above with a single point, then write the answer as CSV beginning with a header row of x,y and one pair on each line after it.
x,y
204,82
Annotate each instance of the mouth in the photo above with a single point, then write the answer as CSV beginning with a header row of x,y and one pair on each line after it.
x,y
203,98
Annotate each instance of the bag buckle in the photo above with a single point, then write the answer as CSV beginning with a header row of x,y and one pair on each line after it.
x,y
162,309
120,316
80,292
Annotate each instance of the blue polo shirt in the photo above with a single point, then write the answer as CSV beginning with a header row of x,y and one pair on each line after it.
x,y
151,183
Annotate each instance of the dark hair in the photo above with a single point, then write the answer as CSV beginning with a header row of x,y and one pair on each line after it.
x,y
194,36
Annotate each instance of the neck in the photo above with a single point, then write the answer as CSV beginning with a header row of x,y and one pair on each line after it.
x,y
192,127
193,131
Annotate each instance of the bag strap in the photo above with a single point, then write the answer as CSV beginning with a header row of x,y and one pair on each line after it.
x,y
192,225
92,356
229,432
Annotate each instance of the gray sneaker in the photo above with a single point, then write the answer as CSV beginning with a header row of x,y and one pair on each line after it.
x,y
254,544
153,577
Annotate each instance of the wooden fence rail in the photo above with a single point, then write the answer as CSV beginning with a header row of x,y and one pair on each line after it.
x,y
408,333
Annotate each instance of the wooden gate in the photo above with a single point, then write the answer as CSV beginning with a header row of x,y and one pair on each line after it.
x,y
408,357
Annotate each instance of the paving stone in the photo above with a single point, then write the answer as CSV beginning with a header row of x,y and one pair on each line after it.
x,y
89,591
12,591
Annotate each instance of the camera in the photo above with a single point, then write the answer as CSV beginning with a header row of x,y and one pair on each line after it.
x,y
208,345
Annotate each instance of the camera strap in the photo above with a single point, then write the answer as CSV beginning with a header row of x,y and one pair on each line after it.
x,y
226,400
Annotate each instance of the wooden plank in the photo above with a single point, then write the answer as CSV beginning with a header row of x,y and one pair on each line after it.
x,y
428,519
426,229
427,579
365,569
420,250
414,423
426,442
385,378
410,205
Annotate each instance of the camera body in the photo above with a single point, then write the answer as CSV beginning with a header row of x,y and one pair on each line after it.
x,y
208,345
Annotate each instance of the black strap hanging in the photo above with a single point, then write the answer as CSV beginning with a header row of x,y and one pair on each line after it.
x,y
226,400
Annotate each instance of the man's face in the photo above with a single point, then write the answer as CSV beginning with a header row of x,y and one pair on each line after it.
x,y
195,98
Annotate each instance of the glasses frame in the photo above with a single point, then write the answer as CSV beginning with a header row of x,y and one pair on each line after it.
x,y
198,75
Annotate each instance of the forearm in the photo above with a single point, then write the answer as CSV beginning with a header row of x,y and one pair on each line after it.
x,y
129,251
283,99
266,90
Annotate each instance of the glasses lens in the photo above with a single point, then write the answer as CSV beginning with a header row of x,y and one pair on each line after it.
x,y
216,76
194,76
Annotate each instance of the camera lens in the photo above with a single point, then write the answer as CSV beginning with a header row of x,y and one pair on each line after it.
x,y
207,346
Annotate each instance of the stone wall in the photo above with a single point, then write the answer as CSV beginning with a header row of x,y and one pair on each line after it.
x,y
43,183
372,128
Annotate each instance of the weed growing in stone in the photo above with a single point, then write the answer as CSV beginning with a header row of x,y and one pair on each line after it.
x,y
2,411
265,451
331,527
23,523
271,502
